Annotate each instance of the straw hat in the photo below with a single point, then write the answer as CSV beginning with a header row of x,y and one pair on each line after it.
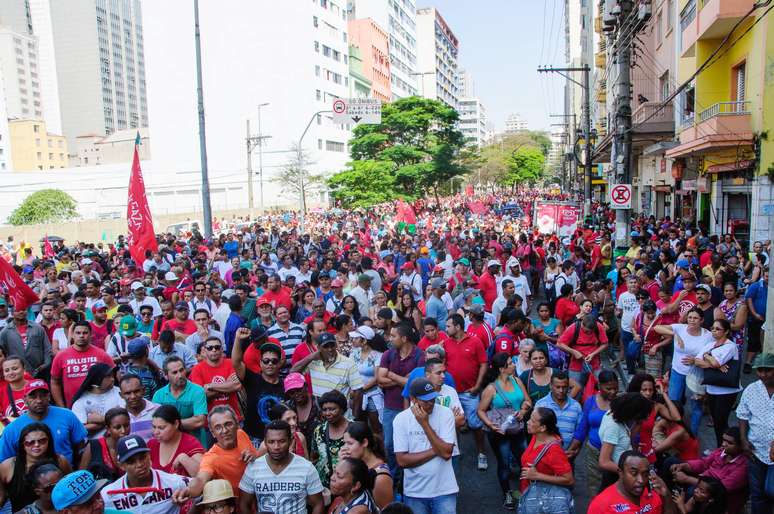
x,y
217,490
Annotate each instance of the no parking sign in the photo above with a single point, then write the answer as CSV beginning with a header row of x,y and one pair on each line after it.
x,y
621,196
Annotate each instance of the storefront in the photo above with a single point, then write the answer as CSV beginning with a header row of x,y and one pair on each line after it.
x,y
732,197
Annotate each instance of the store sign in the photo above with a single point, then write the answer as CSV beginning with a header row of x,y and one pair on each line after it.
x,y
702,185
689,185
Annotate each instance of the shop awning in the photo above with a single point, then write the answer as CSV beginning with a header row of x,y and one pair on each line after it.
x,y
731,166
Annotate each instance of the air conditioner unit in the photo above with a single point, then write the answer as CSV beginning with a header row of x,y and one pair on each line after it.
x,y
645,12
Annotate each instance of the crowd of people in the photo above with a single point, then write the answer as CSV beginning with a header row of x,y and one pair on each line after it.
x,y
337,369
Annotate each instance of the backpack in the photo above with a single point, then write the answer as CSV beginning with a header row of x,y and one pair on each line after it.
x,y
578,329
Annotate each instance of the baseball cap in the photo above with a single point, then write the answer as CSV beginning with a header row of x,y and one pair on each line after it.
x,y
326,339
257,333
181,306
337,282
108,290
137,285
464,261
98,305
137,346
763,360
704,287
422,389
2,301
294,381
86,261
75,488
263,300
35,385
437,268
28,269
424,249
130,445
476,308
364,331
271,346
683,263
170,276
216,491
493,262
407,265
363,278
437,283
127,326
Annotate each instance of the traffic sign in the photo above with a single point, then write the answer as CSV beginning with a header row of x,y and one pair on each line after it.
x,y
621,196
357,110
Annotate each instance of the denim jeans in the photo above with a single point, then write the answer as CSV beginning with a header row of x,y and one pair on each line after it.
x,y
759,502
388,416
446,504
470,408
631,351
677,391
505,449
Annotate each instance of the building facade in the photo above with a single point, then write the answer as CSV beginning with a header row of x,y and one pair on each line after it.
x,y
19,69
473,121
514,123
373,45
33,148
118,147
437,51
398,18
92,64
466,86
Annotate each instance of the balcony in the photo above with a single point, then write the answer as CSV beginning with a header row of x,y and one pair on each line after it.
x,y
652,118
709,19
724,124
600,59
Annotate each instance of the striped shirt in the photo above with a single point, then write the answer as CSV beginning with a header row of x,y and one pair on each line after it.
x,y
567,418
290,339
342,376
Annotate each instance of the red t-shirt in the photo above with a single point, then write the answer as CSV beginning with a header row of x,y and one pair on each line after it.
x,y
426,343
687,303
301,352
188,445
610,501
277,298
488,287
203,373
463,359
507,342
483,333
566,310
587,342
50,330
16,396
554,462
22,330
99,333
187,327
71,366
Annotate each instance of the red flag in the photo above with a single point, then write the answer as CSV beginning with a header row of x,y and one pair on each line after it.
x,y
48,250
406,213
477,207
138,216
19,293
469,190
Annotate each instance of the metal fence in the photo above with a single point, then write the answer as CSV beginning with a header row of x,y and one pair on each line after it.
x,y
724,109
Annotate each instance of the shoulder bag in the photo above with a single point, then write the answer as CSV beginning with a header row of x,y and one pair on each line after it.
x,y
717,378
505,415
545,498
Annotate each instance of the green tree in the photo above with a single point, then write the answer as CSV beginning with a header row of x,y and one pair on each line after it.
x,y
366,183
418,142
44,206
524,165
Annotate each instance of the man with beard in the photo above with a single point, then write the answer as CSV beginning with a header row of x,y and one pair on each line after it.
x,y
264,389
134,459
280,481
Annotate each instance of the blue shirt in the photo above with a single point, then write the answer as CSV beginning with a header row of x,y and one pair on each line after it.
x,y
758,292
66,429
233,323
232,249
590,421
567,418
436,309
420,372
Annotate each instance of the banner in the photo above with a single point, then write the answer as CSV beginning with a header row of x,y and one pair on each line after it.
x,y
546,217
477,207
48,250
138,216
567,218
405,213
19,293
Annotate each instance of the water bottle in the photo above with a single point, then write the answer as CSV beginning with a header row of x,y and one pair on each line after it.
x,y
509,421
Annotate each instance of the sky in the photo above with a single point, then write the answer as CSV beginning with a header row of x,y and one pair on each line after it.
x,y
502,42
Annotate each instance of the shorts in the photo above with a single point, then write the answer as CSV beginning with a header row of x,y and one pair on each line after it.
x,y
470,407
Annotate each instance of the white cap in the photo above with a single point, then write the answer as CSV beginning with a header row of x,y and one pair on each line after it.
x,y
86,261
136,285
170,276
363,331
493,262
513,261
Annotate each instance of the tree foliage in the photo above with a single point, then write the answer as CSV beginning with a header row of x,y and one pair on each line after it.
x,y
44,206
506,162
525,165
294,178
410,154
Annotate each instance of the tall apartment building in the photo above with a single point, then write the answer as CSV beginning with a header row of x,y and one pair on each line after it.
x,y
514,123
92,65
437,50
473,121
398,18
293,56
373,44
20,72
466,86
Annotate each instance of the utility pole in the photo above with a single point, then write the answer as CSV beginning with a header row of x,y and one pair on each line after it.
x,y
568,181
251,142
301,173
622,140
206,208
586,125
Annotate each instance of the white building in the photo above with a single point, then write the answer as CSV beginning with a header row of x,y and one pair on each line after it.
x,y
291,55
515,123
398,18
437,50
92,65
473,121
466,86
5,138
19,70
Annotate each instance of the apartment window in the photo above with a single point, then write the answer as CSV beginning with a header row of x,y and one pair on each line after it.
x,y
319,119
334,146
317,46
39,155
36,128
324,4
37,142
326,51
670,6
319,144
50,157
739,82
61,156
315,22
663,86
318,93
50,143
316,71
61,143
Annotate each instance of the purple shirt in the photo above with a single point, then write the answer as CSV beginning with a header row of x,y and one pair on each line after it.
x,y
393,399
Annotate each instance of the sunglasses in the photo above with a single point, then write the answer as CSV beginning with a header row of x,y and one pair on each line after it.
x,y
146,313
36,442
269,361
212,348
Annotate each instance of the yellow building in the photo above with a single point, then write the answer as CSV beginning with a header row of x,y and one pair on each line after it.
x,y
722,159
33,149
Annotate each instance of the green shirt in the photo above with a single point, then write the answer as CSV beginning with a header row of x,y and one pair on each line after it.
x,y
191,402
